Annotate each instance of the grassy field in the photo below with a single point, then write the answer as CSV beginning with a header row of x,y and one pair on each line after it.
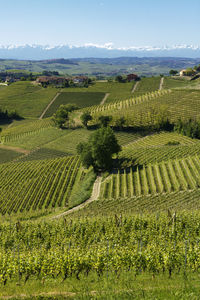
x,y
27,99
175,83
69,142
147,85
78,98
117,91
8,155
34,139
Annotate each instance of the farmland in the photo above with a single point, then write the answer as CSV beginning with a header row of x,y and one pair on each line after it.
x,y
78,98
109,250
27,99
178,104
144,224
37,184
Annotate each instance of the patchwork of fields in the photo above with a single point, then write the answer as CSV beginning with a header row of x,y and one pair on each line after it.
x,y
152,164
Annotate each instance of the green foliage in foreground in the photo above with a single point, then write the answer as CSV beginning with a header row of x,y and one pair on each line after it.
x,y
141,245
108,287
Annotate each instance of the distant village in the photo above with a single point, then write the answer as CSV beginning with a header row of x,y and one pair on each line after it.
x,y
53,78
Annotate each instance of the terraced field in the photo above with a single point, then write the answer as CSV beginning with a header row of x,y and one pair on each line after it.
x,y
164,177
35,139
147,85
40,184
69,142
159,147
78,98
178,104
23,129
150,204
170,83
27,99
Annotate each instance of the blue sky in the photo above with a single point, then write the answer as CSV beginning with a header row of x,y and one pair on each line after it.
x,y
123,23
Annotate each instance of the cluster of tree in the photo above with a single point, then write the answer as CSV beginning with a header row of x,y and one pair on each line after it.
x,y
5,115
50,73
173,72
103,121
61,117
190,128
124,79
99,149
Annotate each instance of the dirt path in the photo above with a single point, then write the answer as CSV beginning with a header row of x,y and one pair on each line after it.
x,y
135,87
52,101
104,98
161,83
94,196
16,149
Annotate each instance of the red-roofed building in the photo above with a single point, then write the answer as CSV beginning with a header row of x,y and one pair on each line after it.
x,y
132,77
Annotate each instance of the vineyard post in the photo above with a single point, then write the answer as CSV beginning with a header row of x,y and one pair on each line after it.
x,y
107,256
18,263
185,257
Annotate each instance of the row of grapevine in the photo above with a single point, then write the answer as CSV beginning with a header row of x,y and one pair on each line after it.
x,y
146,155
37,184
20,131
138,244
124,104
162,139
164,177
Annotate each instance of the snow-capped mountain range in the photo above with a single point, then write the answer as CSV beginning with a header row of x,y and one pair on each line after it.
x,y
39,52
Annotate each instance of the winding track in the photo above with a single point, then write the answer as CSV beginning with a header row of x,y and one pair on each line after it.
x,y
94,196
161,83
52,101
104,98
135,87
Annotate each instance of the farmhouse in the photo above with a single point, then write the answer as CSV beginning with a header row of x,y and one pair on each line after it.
x,y
52,80
80,79
132,77
182,72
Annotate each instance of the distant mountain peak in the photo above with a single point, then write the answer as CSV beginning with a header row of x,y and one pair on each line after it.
x,y
46,52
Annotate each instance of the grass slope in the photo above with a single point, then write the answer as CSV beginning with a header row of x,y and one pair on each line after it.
x,y
27,99
78,98
8,155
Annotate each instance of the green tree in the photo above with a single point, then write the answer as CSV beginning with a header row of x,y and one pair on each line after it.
x,y
98,151
173,72
85,118
71,107
119,78
120,122
105,120
61,116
